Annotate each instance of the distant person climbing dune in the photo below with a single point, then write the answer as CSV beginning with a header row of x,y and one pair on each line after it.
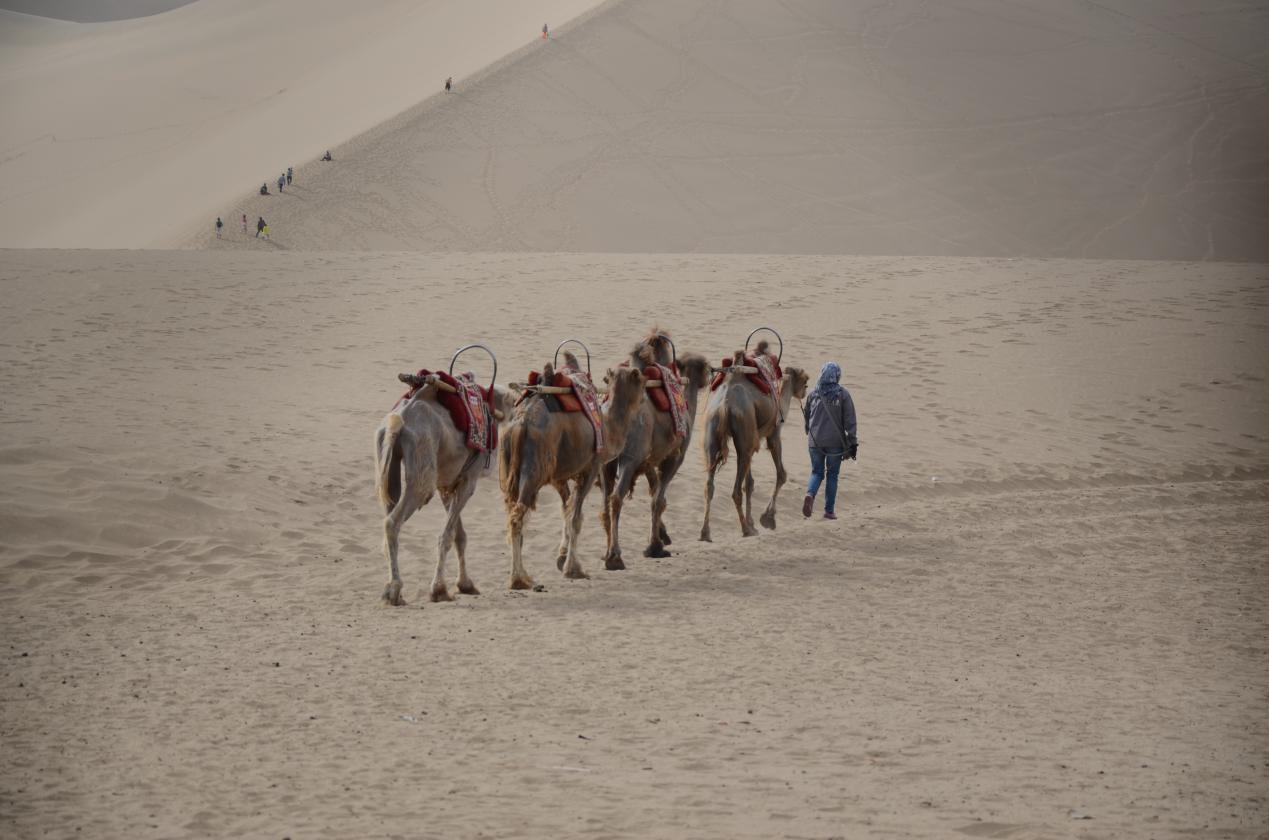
x,y
546,33
219,226
289,175
449,84
327,156
259,226
244,222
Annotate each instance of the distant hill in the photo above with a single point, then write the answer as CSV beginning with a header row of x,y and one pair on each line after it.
x,y
1127,128
92,11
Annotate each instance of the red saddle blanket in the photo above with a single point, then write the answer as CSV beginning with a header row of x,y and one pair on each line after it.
x,y
471,408
766,380
584,398
568,402
669,397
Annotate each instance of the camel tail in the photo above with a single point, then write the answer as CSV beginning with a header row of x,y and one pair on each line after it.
x,y
389,459
511,462
716,438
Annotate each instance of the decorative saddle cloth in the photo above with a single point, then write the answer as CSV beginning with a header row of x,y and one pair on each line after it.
x,y
471,408
766,380
583,398
669,398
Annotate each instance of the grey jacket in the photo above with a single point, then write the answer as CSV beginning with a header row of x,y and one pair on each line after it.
x,y
824,418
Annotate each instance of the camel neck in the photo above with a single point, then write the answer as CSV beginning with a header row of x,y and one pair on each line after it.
x,y
617,426
786,399
691,396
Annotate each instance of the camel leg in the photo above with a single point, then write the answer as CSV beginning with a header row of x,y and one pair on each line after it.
x,y
515,535
572,565
626,475
562,553
391,532
413,496
657,482
768,519
712,462
749,484
744,479
454,502
465,583
607,479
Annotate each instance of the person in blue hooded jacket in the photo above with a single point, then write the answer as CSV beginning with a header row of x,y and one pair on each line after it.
x,y
831,435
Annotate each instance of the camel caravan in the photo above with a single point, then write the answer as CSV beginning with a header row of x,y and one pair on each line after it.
x,y
559,428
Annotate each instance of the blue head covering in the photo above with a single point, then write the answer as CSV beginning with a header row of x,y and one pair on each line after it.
x,y
830,379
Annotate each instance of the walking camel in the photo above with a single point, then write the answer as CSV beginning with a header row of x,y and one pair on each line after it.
x,y
419,451
653,448
740,411
544,447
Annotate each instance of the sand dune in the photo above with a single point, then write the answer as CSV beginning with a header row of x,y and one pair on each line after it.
x,y
1123,129
128,134
1046,596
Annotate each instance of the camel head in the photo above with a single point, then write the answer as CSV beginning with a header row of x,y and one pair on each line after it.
x,y
655,348
798,380
694,369
504,402
625,390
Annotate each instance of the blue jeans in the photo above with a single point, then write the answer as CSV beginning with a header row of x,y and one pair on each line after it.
x,y
821,458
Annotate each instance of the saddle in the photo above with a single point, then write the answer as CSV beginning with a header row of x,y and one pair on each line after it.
x,y
470,406
554,402
766,380
667,397
581,397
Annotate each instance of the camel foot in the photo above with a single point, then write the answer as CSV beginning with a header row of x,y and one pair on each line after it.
x,y
525,582
655,549
768,520
614,564
665,536
560,561
392,594
748,530
439,593
468,588
705,535
576,573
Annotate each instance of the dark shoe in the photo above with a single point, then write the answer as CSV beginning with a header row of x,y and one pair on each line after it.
x,y
806,505
828,514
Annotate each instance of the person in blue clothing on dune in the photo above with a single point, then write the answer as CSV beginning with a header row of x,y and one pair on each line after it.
x,y
831,435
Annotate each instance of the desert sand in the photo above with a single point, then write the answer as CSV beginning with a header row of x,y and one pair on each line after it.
x,y
1043,612
1046,594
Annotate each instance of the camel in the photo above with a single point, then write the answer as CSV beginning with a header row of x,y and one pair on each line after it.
x,y
652,450
418,452
542,447
738,410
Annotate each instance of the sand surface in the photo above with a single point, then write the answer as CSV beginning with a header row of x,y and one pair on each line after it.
x,y
1044,612
1070,621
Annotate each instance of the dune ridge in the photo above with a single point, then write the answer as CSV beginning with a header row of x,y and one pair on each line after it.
x,y
129,134
1110,130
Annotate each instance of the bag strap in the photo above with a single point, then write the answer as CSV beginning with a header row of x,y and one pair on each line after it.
x,y
836,425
